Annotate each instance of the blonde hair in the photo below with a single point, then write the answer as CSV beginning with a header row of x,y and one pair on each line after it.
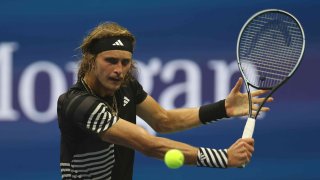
x,y
107,29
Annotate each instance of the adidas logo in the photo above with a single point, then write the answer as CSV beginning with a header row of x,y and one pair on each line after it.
x,y
202,157
118,43
125,101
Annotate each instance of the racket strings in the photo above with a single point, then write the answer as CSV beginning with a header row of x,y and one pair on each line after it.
x,y
269,40
269,49
287,61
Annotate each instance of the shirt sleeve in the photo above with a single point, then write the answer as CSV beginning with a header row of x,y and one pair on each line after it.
x,y
140,94
89,113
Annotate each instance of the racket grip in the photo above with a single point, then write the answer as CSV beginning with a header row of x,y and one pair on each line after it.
x,y
248,131
249,128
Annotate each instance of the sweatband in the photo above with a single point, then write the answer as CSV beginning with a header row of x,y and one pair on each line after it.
x,y
214,158
110,43
212,112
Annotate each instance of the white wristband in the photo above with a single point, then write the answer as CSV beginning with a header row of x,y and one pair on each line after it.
x,y
212,158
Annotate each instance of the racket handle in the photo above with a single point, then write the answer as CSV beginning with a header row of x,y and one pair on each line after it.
x,y
249,128
248,131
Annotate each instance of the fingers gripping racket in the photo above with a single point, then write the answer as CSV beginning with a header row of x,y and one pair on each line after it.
x,y
269,50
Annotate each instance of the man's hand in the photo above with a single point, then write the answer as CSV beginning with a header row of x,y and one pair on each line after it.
x,y
237,103
240,152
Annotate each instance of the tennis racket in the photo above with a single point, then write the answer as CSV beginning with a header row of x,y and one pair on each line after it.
x,y
269,50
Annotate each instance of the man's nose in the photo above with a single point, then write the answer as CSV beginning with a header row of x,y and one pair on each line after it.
x,y
118,68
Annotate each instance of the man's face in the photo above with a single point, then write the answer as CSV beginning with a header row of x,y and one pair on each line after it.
x,y
110,68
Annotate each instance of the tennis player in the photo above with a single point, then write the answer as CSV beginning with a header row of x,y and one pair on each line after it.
x,y
97,115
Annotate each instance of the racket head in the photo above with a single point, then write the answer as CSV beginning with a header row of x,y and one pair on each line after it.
x,y
269,49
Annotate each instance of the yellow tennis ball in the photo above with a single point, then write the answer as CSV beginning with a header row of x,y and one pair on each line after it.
x,y
174,158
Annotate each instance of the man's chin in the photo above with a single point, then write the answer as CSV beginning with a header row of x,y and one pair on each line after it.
x,y
115,86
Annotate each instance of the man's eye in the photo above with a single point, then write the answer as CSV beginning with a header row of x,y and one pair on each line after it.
x,y
125,62
112,60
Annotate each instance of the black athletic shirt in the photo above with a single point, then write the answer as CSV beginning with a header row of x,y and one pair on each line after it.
x,y
81,116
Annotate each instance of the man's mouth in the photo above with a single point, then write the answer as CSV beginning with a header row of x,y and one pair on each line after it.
x,y
115,79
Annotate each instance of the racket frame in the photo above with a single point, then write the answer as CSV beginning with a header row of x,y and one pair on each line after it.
x,y
272,89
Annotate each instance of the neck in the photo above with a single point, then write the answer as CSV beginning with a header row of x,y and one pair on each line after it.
x,y
112,104
96,87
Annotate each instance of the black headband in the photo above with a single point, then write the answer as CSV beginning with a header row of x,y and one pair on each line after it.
x,y
110,43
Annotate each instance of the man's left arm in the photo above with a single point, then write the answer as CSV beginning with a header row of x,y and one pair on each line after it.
x,y
166,121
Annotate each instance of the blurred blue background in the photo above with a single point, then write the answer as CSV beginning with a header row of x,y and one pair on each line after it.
x,y
187,53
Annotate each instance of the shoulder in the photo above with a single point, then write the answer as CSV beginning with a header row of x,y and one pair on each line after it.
x,y
135,90
77,97
75,91
133,83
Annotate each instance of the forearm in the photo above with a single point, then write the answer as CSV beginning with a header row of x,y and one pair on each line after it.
x,y
180,119
162,145
201,157
166,121
132,136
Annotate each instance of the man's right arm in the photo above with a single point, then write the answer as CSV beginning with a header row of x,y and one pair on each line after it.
x,y
132,136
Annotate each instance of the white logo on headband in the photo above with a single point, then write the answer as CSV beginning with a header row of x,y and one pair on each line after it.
x,y
118,43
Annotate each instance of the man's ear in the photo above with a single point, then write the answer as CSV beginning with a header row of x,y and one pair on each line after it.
x,y
92,65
